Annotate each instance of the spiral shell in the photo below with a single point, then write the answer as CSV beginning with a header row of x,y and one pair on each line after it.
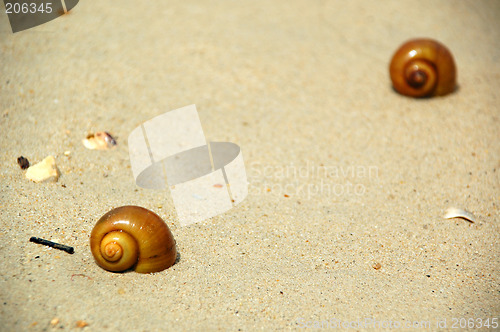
x,y
423,68
132,237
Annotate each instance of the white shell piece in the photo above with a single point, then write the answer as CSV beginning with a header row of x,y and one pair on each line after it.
x,y
44,171
459,213
99,141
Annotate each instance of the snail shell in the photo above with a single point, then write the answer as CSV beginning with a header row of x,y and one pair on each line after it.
x,y
423,68
132,237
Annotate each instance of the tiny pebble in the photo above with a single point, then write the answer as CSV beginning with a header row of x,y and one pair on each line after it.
x,y
23,162
81,323
54,321
377,266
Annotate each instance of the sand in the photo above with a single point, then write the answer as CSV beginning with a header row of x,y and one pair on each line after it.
x,y
302,87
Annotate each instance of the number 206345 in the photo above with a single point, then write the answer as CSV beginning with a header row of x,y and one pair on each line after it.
x,y
25,8
474,323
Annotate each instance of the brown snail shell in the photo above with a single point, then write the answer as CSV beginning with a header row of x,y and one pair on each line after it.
x,y
132,237
423,68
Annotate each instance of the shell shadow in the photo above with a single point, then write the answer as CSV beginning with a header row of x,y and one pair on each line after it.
x,y
456,90
177,258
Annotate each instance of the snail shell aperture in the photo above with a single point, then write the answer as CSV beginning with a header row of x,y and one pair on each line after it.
x,y
423,68
132,237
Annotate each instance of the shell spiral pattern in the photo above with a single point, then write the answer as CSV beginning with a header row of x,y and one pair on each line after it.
x,y
423,68
132,237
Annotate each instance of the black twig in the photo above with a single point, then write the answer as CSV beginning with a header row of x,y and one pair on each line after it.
x,y
59,246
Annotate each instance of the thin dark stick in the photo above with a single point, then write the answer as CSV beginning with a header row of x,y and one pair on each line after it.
x,y
59,246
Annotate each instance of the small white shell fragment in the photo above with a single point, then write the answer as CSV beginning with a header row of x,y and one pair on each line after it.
x,y
99,141
459,213
44,171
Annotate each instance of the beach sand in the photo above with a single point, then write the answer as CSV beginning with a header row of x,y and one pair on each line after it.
x,y
348,180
